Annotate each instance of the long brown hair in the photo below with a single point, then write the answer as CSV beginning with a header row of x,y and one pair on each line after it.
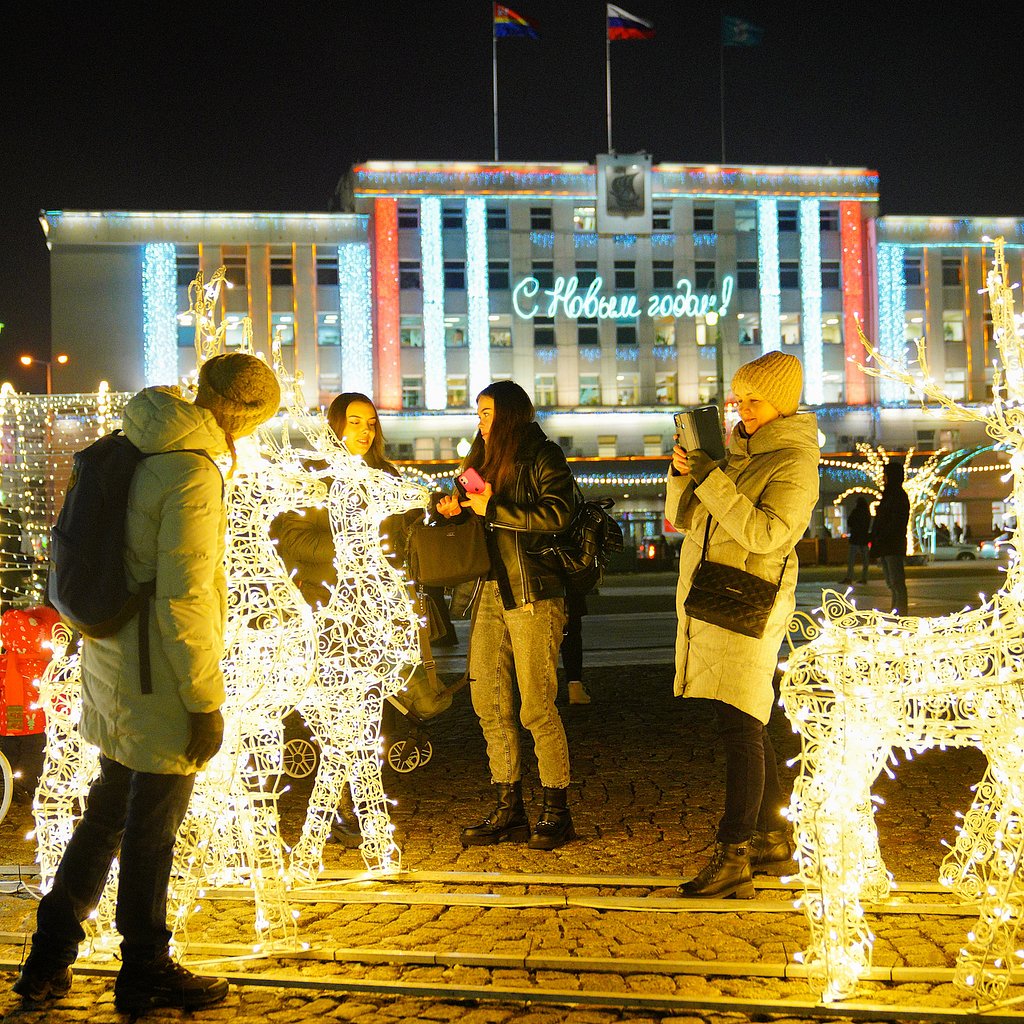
x,y
513,412
336,417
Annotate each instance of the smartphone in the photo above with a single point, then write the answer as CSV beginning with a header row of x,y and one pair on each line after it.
x,y
701,428
472,482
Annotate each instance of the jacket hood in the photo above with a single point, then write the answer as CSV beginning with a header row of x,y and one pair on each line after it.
x,y
159,420
800,431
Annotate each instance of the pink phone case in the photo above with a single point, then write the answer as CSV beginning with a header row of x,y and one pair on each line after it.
x,y
471,481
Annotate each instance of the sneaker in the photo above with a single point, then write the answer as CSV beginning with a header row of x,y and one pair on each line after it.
x,y
39,981
141,987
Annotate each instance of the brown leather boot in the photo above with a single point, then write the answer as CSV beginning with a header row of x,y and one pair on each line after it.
x,y
775,847
726,874
507,823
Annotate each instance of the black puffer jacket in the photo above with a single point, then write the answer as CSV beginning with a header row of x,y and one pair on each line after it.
x,y
539,503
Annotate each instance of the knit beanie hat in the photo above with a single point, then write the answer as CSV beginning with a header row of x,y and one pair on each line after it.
x,y
240,390
777,377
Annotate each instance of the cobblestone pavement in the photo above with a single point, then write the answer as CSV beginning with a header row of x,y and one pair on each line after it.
x,y
646,796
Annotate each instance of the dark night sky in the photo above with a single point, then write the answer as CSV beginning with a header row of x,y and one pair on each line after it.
x,y
244,106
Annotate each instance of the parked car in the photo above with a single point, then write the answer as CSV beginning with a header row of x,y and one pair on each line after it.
x,y
955,553
998,547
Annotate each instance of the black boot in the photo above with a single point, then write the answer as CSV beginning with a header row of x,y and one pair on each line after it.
x,y
554,827
507,823
345,827
773,847
726,874
162,982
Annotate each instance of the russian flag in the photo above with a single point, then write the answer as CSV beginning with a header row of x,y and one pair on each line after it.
x,y
509,25
623,25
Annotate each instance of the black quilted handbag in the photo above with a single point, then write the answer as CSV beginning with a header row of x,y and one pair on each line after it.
x,y
729,597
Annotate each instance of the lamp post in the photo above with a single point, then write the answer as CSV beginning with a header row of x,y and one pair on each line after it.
x,y
711,318
48,363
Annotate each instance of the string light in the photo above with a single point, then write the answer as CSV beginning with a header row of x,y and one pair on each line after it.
x,y
810,301
768,274
432,262
159,306
477,295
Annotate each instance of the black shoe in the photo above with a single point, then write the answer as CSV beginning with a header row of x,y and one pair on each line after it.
x,y
507,823
726,874
554,827
448,640
162,982
39,981
773,847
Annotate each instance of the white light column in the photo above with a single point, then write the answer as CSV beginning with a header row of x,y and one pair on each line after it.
x,y
477,296
356,324
435,384
810,301
892,316
768,273
159,314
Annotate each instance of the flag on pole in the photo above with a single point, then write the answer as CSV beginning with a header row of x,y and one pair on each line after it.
x,y
623,25
509,25
737,32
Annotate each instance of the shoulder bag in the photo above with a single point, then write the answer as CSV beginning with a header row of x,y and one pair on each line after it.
x,y
448,553
729,597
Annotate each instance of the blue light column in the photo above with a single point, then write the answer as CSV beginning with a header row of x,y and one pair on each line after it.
x,y
892,318
810,301
435,383
768,273
159,309
477,296
356,323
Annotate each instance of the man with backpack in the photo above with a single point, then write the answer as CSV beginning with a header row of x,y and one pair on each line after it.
x,y
152,743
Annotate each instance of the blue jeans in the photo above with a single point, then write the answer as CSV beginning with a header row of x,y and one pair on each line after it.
x,y
140,814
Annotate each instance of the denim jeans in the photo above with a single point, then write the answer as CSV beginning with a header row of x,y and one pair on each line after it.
x,y
518,646
896,580
138,813
858,551
753,796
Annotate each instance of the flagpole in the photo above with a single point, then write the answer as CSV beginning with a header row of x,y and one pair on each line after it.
x,y
721,91
494,81
608,78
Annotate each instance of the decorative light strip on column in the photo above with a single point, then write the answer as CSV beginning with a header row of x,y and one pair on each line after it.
x,y
477,296
386,351
768,273
159,313
435,386
356,321
892,317
851,236
810,301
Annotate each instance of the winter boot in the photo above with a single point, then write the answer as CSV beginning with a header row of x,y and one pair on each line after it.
x,y
40,980
345,827
507,823
162,982
554,827
726,874
773,847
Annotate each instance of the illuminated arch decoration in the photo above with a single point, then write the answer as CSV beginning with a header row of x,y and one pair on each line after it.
x,y
870,682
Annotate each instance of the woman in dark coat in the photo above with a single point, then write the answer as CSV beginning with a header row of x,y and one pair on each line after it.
x,y
859,525
889,534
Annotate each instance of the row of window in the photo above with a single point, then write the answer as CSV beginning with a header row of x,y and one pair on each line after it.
x,y
952,271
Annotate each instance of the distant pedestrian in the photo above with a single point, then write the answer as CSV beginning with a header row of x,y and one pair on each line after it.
x,y
889,534
859,525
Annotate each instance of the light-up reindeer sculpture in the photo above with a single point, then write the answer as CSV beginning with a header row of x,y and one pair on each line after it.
x,y
869,682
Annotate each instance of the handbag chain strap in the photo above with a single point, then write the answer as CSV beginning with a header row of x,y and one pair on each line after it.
x,y
704,551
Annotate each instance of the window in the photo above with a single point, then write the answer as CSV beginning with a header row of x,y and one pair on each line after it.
x,y
661,218
746,274
327,271
955,383
607,446
455,336
627,389
663,274
411,336
586,273
664,394
458,392
953,325
590,389
830,274
540,218
750,335
408,274
412,392
544,272
625,334
501,337
498,276
281,271
234,267
327,329
787,218
704,276
703,218
653,444
544,391
625,274
951,271
832,331
790,331
282,326
188,268
789,274
584,218
454,275
665,331
543,331
186,331
746,217
828,220
587,332
912,271
497,218
451,217
408,217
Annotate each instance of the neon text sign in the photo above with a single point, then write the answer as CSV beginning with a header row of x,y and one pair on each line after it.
x,y
566,297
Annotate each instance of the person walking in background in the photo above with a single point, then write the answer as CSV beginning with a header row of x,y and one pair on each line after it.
x,y
572,648
519,613
753,507
152,743
889,534
859,526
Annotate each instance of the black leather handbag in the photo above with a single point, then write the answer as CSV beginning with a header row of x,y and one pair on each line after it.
x,y
729,597
448,553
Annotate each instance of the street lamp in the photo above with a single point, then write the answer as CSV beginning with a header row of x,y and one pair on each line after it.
x,y
712,320
48,363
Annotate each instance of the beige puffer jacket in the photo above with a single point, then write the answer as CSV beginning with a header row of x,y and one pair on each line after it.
x,y
175,532
760,501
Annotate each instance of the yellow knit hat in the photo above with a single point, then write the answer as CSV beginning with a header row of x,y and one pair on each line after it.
x,y
240,390
777,377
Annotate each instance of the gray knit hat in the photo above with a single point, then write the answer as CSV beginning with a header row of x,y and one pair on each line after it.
x,y
777,377
240,390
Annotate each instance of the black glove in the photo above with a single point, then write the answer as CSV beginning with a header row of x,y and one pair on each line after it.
x,y
207,736
700,464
